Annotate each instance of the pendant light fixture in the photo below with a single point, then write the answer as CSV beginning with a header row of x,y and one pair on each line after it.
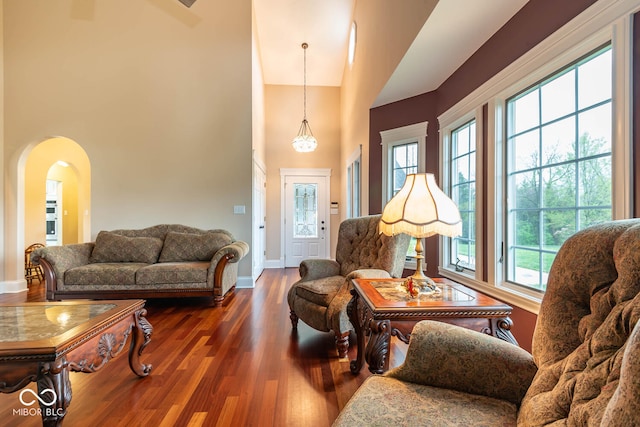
x,y
305,142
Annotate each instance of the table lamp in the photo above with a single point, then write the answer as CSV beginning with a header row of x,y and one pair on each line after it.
x,y
421,209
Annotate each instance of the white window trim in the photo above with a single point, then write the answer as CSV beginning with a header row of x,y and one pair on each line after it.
x,y
445,179
356,155
403,135
398,136
600,23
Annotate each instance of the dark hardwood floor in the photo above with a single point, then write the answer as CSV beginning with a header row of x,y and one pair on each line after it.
x,y
238,365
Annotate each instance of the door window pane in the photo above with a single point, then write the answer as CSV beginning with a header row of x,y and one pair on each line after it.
x,y
305,210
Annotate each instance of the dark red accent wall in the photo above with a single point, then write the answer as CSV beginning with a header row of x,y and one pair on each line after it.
x,y
636,113
533,23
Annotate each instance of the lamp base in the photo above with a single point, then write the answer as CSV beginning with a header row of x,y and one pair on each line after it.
x,y
423,283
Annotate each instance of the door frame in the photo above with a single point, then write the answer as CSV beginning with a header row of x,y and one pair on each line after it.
x,y
258,219
294,172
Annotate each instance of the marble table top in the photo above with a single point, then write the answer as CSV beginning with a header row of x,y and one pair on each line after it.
x,y
36,322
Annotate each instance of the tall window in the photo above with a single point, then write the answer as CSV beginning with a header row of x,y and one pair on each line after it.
x,y
553,155
353,184
463,192
404,161
559,174
402,153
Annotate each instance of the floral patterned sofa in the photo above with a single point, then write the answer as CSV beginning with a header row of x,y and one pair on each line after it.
x,y
585,367
163,261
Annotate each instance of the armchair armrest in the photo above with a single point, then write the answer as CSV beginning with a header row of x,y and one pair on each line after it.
x,y
311,269
449,356
368,273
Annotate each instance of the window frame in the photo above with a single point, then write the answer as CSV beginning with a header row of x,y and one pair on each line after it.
x,y
446,131
510,242
600,24
354,183
399,136
391,138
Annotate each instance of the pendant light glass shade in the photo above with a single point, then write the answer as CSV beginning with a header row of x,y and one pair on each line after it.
x,y
305,142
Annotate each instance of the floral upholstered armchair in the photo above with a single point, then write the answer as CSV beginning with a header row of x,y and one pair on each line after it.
x,y
321,296
585,367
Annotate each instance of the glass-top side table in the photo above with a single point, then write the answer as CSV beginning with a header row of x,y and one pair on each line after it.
x,y
382,308
392,290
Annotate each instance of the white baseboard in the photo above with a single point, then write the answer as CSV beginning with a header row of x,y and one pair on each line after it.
x,y
13,286
245,282
274,263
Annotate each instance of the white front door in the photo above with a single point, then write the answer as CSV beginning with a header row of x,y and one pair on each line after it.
x,y
306,222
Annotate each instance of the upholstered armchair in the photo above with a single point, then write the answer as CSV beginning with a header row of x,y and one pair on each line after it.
x,y
585,366
321,295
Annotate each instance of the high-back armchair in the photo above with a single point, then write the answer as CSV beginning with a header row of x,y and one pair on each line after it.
x,y
585,363
321,296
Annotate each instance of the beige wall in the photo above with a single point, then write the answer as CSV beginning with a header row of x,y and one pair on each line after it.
x,y
284,111
3,210
385,32
159,97
257,86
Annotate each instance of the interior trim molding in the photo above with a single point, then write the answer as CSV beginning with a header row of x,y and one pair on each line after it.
x,y
245,282
13,286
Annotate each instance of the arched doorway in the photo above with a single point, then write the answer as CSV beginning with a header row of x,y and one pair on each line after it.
x,y
57,173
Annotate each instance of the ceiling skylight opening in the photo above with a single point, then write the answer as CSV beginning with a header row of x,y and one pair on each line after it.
x,y
352,43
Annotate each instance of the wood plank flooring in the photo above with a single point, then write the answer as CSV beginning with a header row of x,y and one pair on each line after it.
x,y
238,365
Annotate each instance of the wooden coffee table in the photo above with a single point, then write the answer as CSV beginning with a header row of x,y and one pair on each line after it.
x,y
43,341
381,308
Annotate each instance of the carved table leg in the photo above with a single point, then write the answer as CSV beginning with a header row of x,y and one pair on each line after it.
x,y
377,353
502,329
354,311
54,392
141,336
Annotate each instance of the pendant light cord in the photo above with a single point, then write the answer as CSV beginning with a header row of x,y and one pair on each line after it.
x,y
305,46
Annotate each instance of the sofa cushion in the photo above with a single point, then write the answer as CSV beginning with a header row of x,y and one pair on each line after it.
x,y
383,401
173,272
320,291
103,274
191,246
110,247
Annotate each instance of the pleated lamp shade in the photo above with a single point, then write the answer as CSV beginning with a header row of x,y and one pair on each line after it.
x,y
421,209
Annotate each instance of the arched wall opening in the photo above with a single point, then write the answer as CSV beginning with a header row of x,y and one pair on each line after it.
x,y
62,160
33,167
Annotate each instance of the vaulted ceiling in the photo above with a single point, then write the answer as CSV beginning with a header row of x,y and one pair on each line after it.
x,y
451,34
